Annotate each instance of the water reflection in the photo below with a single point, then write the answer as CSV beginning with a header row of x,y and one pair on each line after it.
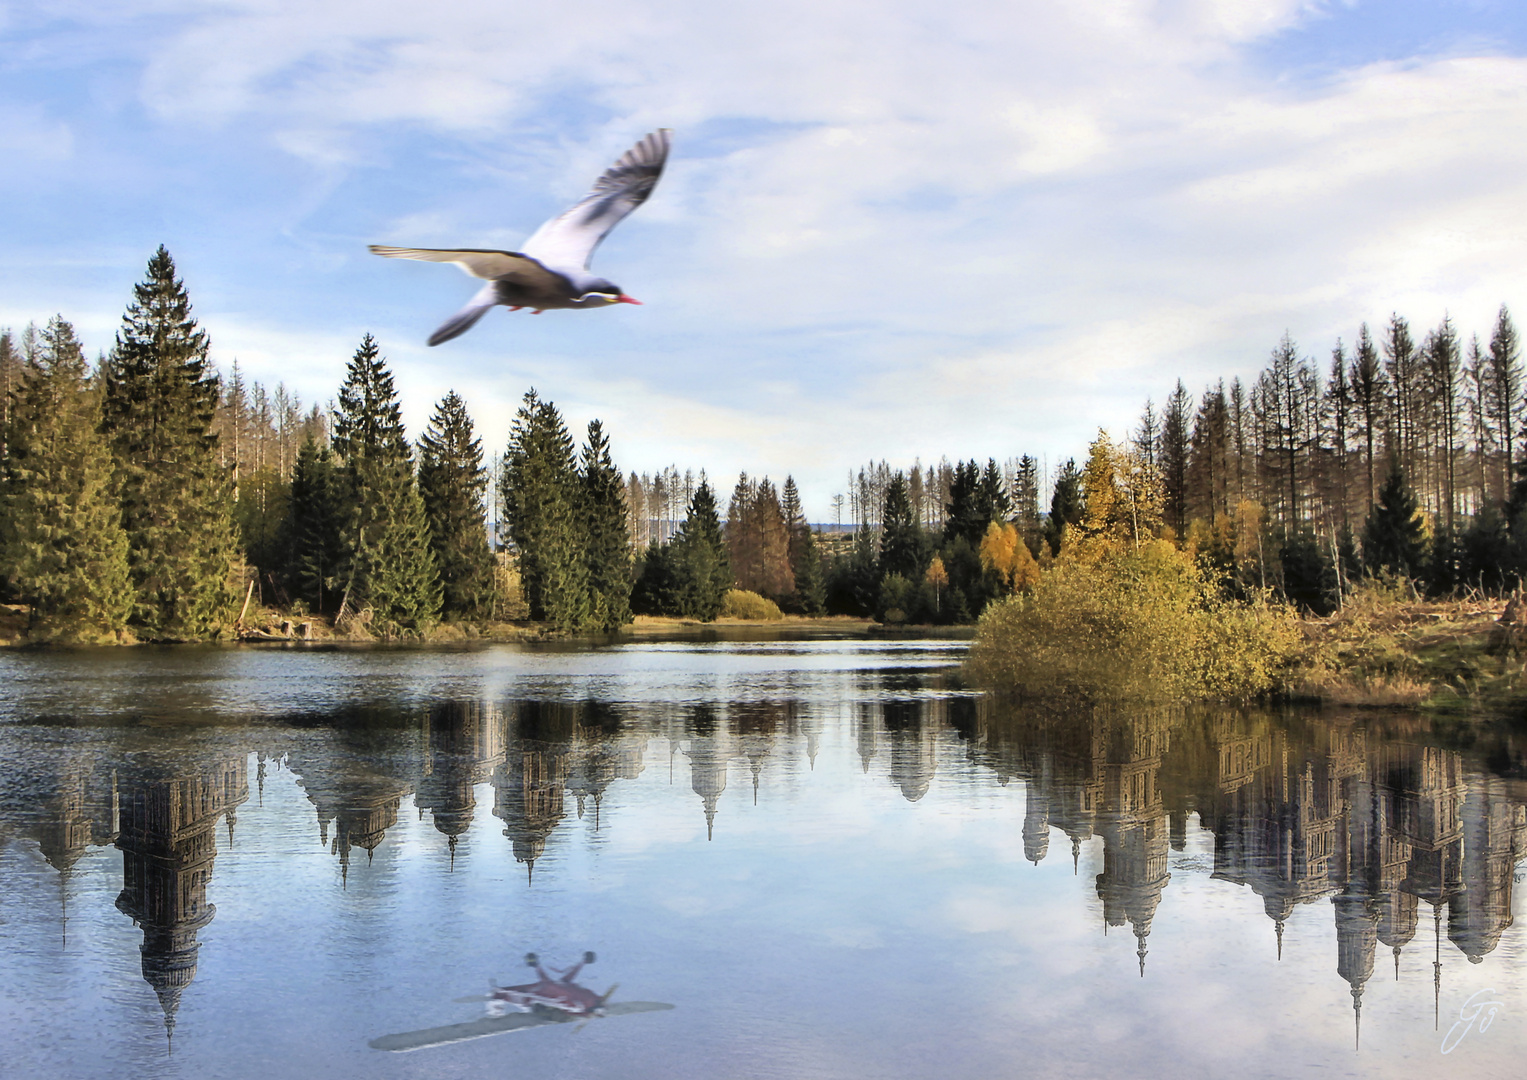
x,y
1378,821
167,833
1394,826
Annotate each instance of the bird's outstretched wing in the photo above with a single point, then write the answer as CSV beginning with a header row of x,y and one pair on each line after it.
x,y
467,317
483,263
569,239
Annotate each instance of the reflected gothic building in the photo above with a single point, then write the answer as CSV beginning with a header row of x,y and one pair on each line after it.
x,y
168,840
1392,829
1298,811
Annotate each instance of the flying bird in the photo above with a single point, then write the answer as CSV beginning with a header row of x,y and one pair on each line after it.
x,y
552,271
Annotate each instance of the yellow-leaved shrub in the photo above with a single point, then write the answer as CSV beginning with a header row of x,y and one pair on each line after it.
x,y
1146,622
743,604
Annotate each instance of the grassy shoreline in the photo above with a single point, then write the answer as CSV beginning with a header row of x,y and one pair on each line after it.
x,y
1438,656
322,632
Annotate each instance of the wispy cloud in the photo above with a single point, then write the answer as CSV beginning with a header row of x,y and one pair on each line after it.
x,y
888,230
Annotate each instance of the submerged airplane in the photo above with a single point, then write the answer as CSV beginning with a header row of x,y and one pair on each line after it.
x,y
549,1000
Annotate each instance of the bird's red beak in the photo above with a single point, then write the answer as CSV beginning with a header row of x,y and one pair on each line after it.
x,y
624,299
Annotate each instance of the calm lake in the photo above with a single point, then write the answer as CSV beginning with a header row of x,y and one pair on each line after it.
x,y
827,856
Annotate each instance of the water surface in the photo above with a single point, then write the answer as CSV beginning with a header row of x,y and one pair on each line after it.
x,y
831,859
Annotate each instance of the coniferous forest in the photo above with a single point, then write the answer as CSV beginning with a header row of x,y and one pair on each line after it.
x,y
148,496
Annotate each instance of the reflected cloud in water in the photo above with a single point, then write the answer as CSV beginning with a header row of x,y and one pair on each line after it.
x,y
1411,842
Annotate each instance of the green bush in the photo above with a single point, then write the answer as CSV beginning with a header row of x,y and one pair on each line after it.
x,y
741,604
1110,620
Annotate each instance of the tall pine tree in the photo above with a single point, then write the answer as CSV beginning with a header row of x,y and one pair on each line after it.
x,y
810,595
901,537
316,563
160,398
704,571
453,484
606,545
541,496
1393,538
391,568
62,544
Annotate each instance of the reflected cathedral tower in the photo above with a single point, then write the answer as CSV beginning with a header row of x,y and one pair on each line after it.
x,y
168,839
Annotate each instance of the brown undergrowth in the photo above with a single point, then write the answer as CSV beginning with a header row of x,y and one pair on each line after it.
x,y
1386,649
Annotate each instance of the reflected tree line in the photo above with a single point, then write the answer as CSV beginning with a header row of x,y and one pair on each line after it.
x,y
1393,828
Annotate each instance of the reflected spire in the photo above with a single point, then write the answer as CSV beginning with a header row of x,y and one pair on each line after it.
x,y
168,841
1437,968
63,904
1279,926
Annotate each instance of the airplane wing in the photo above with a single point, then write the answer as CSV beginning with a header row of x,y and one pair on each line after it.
x,y
497,1025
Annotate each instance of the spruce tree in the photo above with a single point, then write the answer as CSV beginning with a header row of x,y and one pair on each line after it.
x,y
1393,538
901,539
810,595
62,545
541,497
453,484
160,399
391,568
1066,507
1172,455
703,567
316,563
994,501
658,585
965,515
606,543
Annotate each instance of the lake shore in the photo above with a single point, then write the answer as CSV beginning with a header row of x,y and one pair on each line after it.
x,y
1447,656
1443,656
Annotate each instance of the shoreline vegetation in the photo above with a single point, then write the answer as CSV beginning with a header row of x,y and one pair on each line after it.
x,y
1352,539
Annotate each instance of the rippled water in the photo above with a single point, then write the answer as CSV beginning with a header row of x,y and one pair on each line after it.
x,y
829,859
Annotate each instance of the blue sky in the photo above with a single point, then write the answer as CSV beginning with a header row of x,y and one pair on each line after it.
x,y
888,229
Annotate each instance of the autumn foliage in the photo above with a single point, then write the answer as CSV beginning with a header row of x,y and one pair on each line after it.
x,y
1114,619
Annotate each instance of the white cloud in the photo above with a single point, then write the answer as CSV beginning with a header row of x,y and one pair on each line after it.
x,y
884,224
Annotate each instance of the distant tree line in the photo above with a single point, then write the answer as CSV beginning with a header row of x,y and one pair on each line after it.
x,y
144,495
1405,457
1398,455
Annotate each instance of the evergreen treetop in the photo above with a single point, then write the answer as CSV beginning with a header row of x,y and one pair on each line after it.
x,y
1394,538
61,538
540,496
901,540
391,565
607,548
160,400
453,484
369,421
